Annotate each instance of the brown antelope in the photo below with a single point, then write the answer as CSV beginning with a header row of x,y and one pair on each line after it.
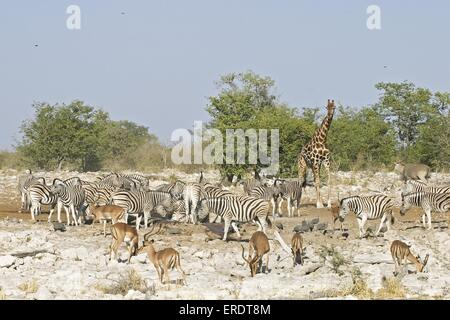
x,y
401,254
297,248
164,260
335,216
106,213
260,244
122,232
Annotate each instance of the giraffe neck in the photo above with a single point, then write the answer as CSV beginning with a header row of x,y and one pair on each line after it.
x,y
320,136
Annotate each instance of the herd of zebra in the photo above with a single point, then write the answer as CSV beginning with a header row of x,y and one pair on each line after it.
x,y
203,201
189,202
116,196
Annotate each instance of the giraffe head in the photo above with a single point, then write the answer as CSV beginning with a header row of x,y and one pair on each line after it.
x,y
330,106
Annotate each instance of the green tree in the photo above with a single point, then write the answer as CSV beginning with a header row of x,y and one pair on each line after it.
x,y
246,101
85,138
433,143
361,139
58,134
408,107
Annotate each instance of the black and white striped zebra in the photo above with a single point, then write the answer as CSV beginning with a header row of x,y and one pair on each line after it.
x,y
267,193
176,188
238,209
140,180
429,202
119,181
142,202
419,186
192,193
368,208
292,192
250,184
40,194
211,191
24,183
72,197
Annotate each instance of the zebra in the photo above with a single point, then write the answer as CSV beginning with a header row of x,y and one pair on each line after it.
x,y
23,181
72,198
191,194
238,209
267,193
419,186
250,184
118,181
368,208
292,192
138,202
211,191
40,194
437,202
176,188
140,180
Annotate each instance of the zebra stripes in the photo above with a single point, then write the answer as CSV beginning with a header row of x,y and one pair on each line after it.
x,y
40,194
23,186
192,194
138,202
429,202
292,192
419,186
368,208
267,193
72,198
238,209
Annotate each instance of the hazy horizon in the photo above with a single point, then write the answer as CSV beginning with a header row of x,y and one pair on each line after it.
x,y
155,63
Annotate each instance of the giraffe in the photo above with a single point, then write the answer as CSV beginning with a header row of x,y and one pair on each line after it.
x,y
315,153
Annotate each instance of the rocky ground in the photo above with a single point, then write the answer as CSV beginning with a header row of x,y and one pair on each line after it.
x,y
37,262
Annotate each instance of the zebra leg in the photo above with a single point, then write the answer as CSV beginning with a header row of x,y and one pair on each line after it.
x,y
423,220
146,217
361,223
236,229
59,207
52,209
138,221
74,214
289,205
428,212
67,215
22,208
279,204
225,229
272,201
33,210
383,218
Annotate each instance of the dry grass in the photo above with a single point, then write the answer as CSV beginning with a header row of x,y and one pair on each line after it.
x,y
392,288
30,286
2,294
129,281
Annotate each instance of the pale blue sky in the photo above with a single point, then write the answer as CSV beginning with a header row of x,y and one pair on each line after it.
x,y
156,64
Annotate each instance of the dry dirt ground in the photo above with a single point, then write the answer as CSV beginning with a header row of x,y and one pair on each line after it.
x,y
37,262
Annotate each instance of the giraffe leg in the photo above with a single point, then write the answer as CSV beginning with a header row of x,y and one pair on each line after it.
x,y
326,165
301,168
316,172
